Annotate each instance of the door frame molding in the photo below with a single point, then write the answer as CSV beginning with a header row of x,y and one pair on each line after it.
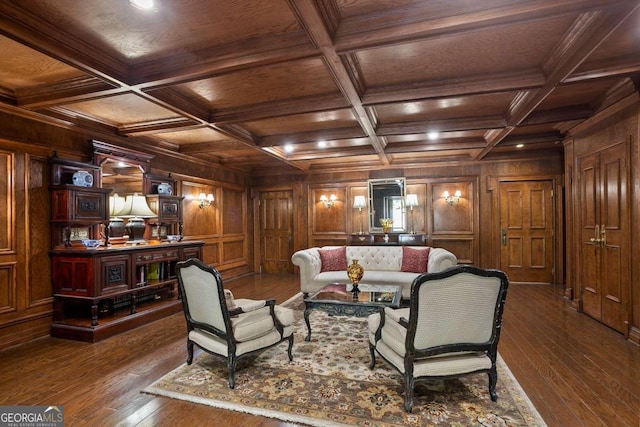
x,y
557,182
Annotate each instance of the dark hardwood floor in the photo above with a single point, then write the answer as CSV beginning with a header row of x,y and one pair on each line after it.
x,y
576,371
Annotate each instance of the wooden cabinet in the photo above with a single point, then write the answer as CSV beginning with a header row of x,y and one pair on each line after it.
x,y
102,292
169,211
74,205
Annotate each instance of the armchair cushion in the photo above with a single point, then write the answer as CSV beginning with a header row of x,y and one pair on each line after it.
x,y
252,325
333,259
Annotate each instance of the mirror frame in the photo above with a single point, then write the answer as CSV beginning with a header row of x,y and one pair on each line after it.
x,y
377,189
104,152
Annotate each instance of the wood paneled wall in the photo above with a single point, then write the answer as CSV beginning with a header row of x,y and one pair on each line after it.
x,y
618,123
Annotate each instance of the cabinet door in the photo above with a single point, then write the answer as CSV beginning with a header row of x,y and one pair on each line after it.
x,y
73,276
114,273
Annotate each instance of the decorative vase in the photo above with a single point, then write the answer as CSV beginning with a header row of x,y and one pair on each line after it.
x,y
355,272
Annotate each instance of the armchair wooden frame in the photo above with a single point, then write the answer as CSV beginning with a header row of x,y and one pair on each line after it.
x,y
488,349
227,335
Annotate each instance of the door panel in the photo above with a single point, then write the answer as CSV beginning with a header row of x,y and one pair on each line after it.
x,y
276,234
604,261
526,221
589,259
615,235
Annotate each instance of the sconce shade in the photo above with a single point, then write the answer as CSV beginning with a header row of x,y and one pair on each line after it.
x,y
205,200
452,200
359,202
412,200
328,202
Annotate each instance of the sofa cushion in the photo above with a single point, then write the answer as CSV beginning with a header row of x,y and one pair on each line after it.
x,y
414,260
333,259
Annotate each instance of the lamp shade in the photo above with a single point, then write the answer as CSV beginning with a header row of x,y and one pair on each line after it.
x,y
359,202
412,200
135,206
116,204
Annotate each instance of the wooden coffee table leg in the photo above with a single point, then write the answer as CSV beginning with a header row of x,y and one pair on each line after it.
x,y
307,310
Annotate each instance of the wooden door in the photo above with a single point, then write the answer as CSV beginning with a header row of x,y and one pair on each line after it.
x,y
526,226
276,231
604,261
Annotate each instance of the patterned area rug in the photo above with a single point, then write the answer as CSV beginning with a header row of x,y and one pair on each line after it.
x,y
329,384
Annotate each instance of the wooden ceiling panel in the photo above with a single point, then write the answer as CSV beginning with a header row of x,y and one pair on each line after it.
x,y
494,50
623,43
477,134
495,104
121,110
276,82
21,67
302,123
173,25
191,136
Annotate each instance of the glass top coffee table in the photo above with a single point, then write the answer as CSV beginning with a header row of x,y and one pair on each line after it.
x,y
339,299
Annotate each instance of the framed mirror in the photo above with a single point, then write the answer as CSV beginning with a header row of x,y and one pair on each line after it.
x,y
386,202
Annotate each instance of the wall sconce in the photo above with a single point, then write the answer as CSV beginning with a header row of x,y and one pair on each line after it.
x,y
328,202
411,202
359,202
452,200
205,200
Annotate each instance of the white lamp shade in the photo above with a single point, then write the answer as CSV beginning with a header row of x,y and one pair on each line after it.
x,y
359,202
412,200
116,204
135,206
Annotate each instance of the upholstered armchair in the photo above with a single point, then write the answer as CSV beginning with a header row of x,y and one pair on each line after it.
x,y
451,328
222,326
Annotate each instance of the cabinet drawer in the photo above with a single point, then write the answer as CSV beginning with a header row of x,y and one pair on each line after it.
x,y
157,256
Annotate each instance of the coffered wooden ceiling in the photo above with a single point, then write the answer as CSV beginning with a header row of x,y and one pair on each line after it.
x,y
343,83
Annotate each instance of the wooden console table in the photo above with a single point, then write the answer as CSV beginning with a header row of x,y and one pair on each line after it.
x,y
102,292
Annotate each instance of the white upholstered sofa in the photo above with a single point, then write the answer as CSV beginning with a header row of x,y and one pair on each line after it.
x,y
383,265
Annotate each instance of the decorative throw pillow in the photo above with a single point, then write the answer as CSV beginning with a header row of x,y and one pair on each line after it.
x,y
333,259
414,260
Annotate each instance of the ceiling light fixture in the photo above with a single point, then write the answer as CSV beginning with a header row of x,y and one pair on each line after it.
x,y
288,148
433,135
519,145
142,4
322,144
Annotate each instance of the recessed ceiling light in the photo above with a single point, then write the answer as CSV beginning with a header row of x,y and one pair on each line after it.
x,y
322,144
142,4
519,145
433,135
288,148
